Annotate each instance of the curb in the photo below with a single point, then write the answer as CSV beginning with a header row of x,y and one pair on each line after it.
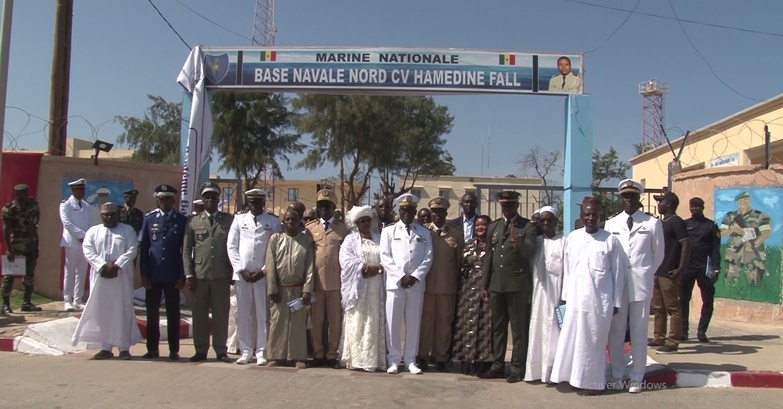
x,y
185,328
31,345
684,378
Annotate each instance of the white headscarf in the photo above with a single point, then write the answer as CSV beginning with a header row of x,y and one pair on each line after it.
x,y
549,209
356,213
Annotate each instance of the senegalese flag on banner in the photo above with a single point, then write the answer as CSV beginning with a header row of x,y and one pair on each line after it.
x,y
268,55
507,59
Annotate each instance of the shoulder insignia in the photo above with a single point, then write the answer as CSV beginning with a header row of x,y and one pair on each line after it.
x,y
315,221
242,212
151,212
64,201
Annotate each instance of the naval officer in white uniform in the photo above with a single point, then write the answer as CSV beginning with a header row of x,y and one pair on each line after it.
x,y
76,217
406,257
247,245
641,236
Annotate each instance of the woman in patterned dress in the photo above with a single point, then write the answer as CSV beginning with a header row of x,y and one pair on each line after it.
x,y
473,334
362,290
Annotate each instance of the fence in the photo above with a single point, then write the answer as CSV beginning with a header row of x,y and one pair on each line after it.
x,y
533,197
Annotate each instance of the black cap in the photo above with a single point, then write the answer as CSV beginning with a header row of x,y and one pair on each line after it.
x,y
132,192
696,201
165,190
670,197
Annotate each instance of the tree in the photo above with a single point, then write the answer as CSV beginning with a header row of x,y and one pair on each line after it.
x,y
252,132
607,167
155,138
400,137
544,165
418,147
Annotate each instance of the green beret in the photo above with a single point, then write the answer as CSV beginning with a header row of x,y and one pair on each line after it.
x,y
742,195
20,187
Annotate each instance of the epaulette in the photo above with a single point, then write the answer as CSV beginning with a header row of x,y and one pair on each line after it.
x,y
318,221
65,200
241,212
150,212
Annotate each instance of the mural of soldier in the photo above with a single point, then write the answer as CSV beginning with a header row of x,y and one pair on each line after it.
x,y
747,229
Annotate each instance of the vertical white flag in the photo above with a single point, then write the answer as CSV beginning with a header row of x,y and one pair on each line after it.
x,y
192,78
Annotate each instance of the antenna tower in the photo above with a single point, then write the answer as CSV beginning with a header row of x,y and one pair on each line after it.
x,y
653,93
264,36
264,24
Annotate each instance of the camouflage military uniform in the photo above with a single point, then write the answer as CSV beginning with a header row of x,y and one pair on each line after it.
x,y
23,226
743,252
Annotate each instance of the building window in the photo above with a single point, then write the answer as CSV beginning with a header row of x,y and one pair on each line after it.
x,y
293,194
444,193
416,192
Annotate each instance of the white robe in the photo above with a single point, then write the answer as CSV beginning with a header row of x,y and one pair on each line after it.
x,y
108,317
544,332
593,284
364,322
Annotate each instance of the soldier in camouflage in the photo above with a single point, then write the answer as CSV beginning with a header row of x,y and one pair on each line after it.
x,y
129,214
747,229
20,232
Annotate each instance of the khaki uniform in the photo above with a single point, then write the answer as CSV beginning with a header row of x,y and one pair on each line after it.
x,y
205,256
22,224
440,296
327,305
290,270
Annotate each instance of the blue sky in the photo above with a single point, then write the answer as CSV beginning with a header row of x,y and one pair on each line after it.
x,y
122,51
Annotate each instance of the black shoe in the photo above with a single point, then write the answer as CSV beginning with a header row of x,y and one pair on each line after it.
x,y
333,363
317,362
30,307
198,357
6,309
223,358
174,356
103,354
702,337
151,355
492,374
666,350
423,364
652,343
514,378
125,355
441,367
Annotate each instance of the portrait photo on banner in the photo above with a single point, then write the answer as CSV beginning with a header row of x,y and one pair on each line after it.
x,y
749,219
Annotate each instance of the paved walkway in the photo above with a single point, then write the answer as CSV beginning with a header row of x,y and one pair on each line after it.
x,y
738,354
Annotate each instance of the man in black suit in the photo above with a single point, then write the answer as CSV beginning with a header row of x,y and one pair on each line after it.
x,y
467,222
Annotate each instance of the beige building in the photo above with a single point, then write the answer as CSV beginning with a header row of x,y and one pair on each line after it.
x,y
737,140
281,193
453,187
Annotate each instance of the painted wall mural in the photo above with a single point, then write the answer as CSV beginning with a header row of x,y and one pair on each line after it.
x,y
751,239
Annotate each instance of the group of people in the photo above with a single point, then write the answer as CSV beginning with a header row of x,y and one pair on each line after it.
x,y
613,276
342,291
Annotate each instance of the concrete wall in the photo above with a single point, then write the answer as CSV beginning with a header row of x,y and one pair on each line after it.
x,y
144,177
702,183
